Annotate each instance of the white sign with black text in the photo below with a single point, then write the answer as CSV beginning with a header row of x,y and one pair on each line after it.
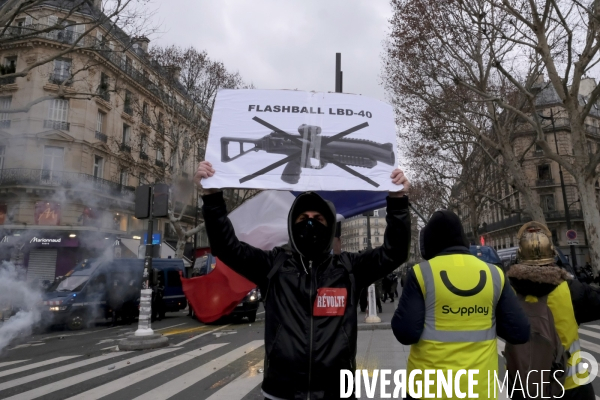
x,y
296,140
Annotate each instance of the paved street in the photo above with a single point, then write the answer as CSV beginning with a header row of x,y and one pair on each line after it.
x,y
202,362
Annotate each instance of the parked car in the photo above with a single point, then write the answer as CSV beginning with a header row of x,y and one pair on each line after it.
x,y
85,293
486,254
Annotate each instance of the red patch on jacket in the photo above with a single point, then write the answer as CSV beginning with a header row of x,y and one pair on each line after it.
x,y
330,302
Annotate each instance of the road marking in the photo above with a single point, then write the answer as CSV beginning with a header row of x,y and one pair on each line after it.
x,y
590,333
188,330
202,334
26,345
73,380
59,370
223,333
172,326
7,363
35,365
184,381
105,341
78,334
592,326
242,385
139,376
110,348
262,312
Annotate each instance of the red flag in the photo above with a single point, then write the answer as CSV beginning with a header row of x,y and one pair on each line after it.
x,y
216,294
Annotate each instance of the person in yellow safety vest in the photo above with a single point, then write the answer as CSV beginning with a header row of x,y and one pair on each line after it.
x,y
453,307
571,302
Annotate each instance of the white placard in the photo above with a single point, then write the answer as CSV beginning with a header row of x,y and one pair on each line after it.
x,y
295,140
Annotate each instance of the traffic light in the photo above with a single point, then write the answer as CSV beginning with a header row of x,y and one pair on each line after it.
x,y
142,201
160,204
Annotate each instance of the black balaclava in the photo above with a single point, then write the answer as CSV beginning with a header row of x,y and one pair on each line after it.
x,y
443,230
310,238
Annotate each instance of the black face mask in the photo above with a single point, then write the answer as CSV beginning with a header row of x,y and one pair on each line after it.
x,y
311,237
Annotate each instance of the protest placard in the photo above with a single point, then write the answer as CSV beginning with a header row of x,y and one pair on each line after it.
x,y
296,140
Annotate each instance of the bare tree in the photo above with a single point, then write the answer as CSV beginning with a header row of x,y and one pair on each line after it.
x,y
478,63
182,119
88,27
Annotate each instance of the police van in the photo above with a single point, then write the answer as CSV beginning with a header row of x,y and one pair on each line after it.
x,y
90,291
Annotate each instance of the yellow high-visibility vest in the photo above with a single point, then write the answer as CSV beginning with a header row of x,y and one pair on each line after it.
x,y
559,302
461,293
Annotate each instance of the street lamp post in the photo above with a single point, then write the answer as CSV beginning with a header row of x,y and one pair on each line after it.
x,y
562,185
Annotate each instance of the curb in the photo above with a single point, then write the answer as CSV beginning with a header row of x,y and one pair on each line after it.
x,y
372,327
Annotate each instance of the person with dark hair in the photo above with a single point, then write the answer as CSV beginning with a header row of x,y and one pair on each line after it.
x,y
454,306
310,295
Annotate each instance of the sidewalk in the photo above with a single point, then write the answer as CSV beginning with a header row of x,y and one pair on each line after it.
x,y
386,317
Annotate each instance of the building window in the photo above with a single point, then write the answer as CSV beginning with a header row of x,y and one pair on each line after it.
x,y
5,103
555,237
2,151
159,154
104,87
123,177
364,240
126,135
100,122
376,221
128,103
547,202
58,115
376,239
145,114
376,213
544,172
62,72
52,163
98,167
142,178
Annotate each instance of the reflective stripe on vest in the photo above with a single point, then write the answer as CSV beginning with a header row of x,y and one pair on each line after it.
x,y
431,333
573,350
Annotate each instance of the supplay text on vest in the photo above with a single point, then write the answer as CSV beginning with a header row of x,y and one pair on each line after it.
x,y
419,384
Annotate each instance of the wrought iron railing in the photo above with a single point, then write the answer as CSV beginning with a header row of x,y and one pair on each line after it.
x,y
7,81
159,163
61,125
144,156
125,148
127,109
101,137
5,124
59,79
544,182
520,219
115,57
72,180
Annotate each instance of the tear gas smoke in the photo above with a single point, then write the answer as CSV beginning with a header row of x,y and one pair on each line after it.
x,y
17,295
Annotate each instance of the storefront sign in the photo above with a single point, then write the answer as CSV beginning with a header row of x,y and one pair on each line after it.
x,y
47,213
53,241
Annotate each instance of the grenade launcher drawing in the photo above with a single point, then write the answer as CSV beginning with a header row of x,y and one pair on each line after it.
x,y
311,150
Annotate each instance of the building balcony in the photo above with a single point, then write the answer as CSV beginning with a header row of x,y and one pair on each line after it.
x,y
561,215
67,180
146,120
127,109
144,156
544,182
101,137
104,95
125,148
7,81
59,79
519,219
159,163
5,124
60,125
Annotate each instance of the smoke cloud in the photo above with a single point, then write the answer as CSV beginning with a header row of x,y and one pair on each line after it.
x,y
17,295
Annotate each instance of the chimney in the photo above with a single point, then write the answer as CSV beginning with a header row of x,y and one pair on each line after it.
x,y
587,86
174,71
142,42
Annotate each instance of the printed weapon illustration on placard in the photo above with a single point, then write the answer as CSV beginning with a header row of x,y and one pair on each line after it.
x,y
311,150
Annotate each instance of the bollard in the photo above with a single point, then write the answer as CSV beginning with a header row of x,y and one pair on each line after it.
x,y
144,328
372,317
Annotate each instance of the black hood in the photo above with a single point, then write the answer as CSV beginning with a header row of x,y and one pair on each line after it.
x,y
443,231
310,201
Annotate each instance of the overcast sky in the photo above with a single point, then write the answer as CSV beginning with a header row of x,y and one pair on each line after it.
x,y
285,44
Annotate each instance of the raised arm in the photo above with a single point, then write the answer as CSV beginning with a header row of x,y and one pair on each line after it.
x,y
250,262
370,265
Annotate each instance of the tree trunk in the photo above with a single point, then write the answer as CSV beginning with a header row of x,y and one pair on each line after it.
x,y
180,248
591,218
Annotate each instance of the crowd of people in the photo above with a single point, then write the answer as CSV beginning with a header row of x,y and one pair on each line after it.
x,y
452,310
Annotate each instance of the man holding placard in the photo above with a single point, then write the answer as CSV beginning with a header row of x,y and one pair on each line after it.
x,y
310,295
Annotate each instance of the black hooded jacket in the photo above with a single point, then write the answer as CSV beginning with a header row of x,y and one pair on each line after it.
x,y
444,235
304,353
